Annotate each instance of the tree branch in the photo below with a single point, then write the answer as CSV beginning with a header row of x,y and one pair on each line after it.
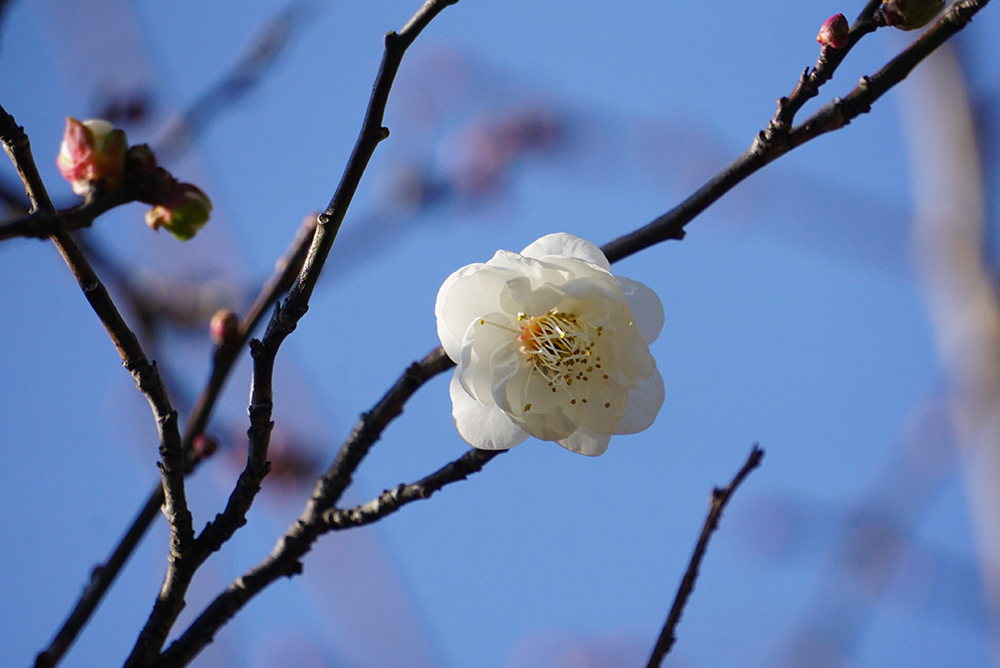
x,y
765,149
285,559
720,497
392,500
146,376
223,361
286,317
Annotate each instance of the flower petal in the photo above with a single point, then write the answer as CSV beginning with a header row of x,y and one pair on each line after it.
x,y
466,295
562,244
483,427
551,425
647,309
489,353
587,442
643,405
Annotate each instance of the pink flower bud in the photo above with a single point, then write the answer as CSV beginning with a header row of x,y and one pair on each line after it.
x,y
204,446
910,14
183,212
224,328
834,33
92,154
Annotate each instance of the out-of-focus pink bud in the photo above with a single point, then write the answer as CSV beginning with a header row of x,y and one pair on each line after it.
x,y
182,212
204,446
834,33
92,154
910,14
224,328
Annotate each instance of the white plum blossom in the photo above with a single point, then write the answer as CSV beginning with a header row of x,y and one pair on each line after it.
x,y
548,343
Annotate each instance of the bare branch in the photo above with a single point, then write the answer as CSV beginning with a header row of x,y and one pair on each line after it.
x,y
285,559
144,372
765,150
223,361
392,500
720,497
372,133
171,600
811,80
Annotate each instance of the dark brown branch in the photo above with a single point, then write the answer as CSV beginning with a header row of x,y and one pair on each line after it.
x,y
372,133
144,372
764,150
720,497
369,429
286,317
285,559
223,362
811,80
258,441
392,500
171,601
41,223
859,101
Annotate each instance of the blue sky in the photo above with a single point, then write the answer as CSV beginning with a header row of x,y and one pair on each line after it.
x,y
793,319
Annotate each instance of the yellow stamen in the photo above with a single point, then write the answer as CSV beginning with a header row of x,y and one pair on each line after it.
x,y
555,343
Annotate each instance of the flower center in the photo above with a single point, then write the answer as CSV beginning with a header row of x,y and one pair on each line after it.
x,y
560,346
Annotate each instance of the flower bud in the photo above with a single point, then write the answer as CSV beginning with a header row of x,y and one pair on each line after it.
x,y
183,212
834,33
204,446
224,328
92,153
910,14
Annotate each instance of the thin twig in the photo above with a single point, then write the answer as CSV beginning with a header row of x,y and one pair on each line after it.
x,y
392,500
720,497
372,133
812,79
764,151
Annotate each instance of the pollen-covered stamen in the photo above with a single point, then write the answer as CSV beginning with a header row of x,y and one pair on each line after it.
x,y
559,346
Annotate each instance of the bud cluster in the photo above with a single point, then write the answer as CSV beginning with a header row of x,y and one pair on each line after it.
x,y
95,158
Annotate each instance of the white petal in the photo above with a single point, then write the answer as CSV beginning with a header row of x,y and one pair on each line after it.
x,y
483,427
519,297
562,244
466,295
552,425
643,405
587,442
488,341
599,286
647,309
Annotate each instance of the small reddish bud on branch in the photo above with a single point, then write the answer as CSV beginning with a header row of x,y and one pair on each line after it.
x,y
224,328
204,446
834,33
